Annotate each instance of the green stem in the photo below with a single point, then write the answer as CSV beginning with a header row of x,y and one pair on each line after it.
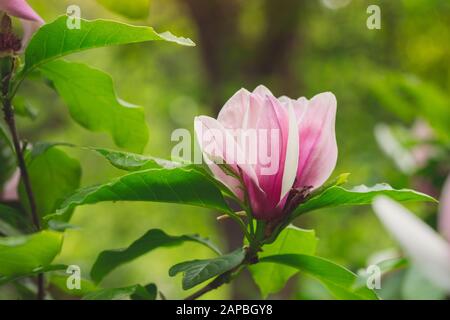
x,y
241,223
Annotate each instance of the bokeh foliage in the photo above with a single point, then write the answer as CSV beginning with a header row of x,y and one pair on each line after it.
x,y
393,75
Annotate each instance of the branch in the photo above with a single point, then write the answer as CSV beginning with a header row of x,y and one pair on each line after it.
x,y
216,283
11,123
250,258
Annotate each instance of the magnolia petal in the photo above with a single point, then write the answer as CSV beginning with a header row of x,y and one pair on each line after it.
x,y
262,91
220,147
215,141
300,105
231,115
444,210
427,250
31,21
318,147
229,181
286,101
20,9
292,151
272,136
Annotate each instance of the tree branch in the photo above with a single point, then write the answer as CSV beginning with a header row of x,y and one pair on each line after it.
x,y
216,283
250,258
11,123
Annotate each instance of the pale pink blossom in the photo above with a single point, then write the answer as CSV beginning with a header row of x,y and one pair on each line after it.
x,y
10,188
427,249
444,211
302,153
424,151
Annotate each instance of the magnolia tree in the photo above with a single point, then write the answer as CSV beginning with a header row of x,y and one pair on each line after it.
x,y
267,161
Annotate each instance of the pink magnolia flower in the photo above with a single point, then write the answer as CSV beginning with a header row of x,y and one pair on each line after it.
x,y
31,21
444,211
278,148
427,249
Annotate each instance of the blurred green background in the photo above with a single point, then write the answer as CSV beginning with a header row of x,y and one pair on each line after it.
x,y
394,75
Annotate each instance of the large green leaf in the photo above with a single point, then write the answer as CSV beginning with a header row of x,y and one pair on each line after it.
x,y
198,271
337,279
136,9
122,293
22,254
59,280
150,293
109,260
134,162
55,40
272,278
7,156
361,195
89,93
32,273
177,185
53,175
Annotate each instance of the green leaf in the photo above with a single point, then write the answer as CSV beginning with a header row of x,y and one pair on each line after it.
x,y
22,254
55,40
177,185
4,134
136,9
53,175
59,280
337,279
118,293
39,148
337,181
109,260
386,266
272,278
361,195
134,162
89,93
7,156
409,98
34,272
61,226
12,221
150,293
23,108
198,271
